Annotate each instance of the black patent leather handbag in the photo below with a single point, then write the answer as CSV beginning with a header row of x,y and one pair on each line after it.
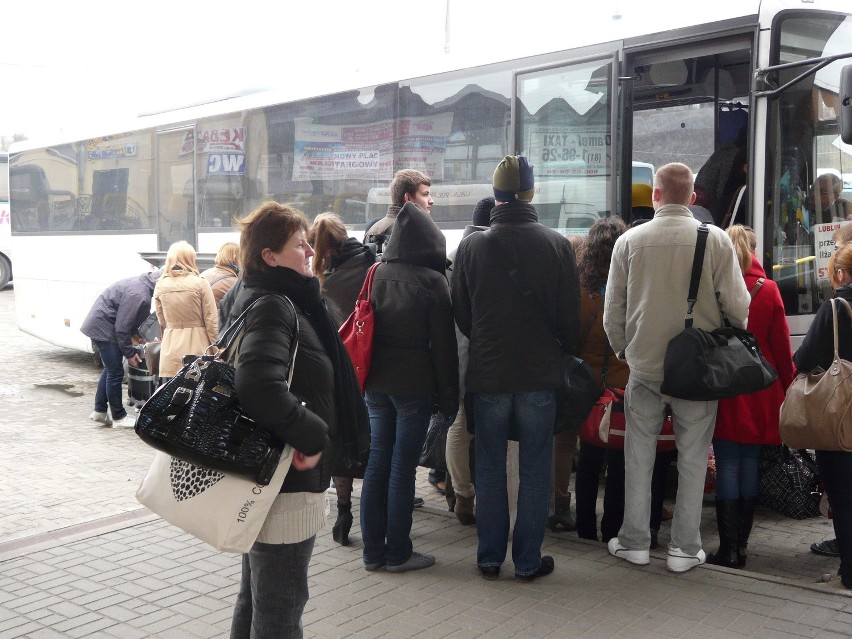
x,y
196,415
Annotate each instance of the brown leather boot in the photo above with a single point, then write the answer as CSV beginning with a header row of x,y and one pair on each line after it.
x,y
464,510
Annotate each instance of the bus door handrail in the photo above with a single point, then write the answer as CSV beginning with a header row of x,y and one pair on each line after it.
x,y
760,74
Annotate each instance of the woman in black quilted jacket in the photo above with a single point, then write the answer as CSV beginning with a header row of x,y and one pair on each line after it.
x,y
321,415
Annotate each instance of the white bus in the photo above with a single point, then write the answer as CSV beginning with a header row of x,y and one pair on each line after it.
x,y
5,224
763,75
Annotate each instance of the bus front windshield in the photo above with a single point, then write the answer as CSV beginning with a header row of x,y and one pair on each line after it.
x,y
809,169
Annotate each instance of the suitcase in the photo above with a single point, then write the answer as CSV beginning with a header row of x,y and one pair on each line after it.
x,y
141,381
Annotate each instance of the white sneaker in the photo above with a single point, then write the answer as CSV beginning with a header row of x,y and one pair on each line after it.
x,y
638,557
101,418
125,422
680,561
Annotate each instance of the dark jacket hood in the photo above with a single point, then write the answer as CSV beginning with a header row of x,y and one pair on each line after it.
x,y
416,239
470,229
513,212
348,249
150,279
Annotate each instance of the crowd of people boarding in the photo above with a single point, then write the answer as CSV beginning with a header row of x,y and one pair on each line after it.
x,y
475,341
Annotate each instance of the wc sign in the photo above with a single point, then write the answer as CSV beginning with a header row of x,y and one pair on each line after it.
x,y
226,164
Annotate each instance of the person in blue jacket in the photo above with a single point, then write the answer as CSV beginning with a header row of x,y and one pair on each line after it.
x,y
112,320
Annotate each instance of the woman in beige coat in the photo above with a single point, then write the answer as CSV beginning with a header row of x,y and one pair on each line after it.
x,y
185,309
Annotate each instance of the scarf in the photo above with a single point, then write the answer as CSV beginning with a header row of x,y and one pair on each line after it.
x,y
353,423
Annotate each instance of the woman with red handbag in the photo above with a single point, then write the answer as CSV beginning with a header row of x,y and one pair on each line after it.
x,y
593,265
340,263
414,372
747,422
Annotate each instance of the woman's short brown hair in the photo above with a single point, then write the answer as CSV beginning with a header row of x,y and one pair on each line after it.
x,y
268,227
840,259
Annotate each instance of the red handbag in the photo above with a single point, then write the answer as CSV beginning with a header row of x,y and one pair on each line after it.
x,y
357,331
605,425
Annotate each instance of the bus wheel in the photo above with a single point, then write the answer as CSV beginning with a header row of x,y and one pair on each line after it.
x,y
5,271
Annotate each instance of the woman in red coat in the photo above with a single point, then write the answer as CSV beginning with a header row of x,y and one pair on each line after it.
x,y
747,422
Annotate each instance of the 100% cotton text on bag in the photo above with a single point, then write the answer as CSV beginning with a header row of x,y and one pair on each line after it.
x,y
704,365
217,472
817,410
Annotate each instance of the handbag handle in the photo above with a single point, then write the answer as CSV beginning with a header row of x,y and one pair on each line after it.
x,y
226,339
835,365
367,287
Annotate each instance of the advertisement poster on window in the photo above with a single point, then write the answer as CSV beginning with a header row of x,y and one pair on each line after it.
x,y
824,243
564,151
370,151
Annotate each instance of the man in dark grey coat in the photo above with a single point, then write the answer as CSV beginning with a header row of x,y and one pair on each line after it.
x,y
514,366
113,319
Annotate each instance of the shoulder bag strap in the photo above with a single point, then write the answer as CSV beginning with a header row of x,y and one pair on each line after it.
x,y
695,278
367,289
226,340
731,217
836,363
591,322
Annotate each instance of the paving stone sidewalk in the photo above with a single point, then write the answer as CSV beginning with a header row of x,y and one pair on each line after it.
x,y
79,558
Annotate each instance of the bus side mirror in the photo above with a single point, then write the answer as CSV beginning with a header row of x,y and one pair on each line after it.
x,y
846,104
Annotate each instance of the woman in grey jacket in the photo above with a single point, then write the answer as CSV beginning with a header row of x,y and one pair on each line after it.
x,y
414,372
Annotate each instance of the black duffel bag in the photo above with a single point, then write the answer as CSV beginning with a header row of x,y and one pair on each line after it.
x,y
707,365
704,365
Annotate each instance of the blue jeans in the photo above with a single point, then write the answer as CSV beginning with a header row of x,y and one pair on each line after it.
x,y
109,385
835,468
531,415
273,591
736,469
398,426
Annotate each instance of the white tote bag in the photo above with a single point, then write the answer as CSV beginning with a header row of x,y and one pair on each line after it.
x,y
226,511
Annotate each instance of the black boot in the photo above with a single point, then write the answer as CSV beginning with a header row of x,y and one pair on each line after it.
x,y
727,520
340,531
747,506
562,518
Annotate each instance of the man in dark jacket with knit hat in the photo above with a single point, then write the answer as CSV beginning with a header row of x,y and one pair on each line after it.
x,y
516,297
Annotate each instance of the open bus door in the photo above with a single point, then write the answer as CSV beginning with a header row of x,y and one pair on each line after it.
x,y
562,117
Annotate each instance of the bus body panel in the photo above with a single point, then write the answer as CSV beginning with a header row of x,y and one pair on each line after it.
x,y
634,94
